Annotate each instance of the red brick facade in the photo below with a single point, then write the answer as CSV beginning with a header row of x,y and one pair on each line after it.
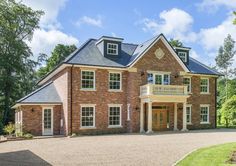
x,y
72,96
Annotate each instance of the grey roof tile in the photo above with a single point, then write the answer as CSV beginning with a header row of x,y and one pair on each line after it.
x,y
44,94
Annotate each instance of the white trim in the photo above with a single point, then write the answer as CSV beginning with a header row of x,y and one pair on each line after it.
x,y
114,44
170,49
50,104
190,85
52,118
94,116
115,90
114,105
190,106
201,75
158,72
208,86
94,80
182,48
110,39
128,112
208,113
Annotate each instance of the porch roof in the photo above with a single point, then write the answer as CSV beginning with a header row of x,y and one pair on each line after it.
x,y
46,94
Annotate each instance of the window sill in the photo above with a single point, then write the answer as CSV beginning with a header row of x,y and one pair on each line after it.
x,y
205,123
84,128
113,90
189,124
110,127
204,93
190,93
88,90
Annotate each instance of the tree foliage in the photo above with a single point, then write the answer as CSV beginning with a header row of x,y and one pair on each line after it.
x,y
59,53
228,112
235,18
224,59
17,24
175,43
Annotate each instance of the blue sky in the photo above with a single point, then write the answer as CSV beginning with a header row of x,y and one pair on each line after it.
x,y
200,24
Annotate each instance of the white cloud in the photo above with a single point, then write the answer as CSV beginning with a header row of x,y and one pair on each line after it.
x,y
113,34
97,22
214,5
212,38
44,41
194,54
51,9
174,23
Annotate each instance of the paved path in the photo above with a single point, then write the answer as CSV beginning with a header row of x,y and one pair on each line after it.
x,y
157,149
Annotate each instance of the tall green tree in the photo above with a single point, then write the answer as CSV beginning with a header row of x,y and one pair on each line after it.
x,y
235,18
175,43
228,112
224,59
17,24
59,53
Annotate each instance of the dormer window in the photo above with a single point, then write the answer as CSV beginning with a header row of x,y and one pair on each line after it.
x,y
112,49
183,56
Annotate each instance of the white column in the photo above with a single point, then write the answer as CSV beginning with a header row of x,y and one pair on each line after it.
x,y
149,118
175,117
141,118
184,118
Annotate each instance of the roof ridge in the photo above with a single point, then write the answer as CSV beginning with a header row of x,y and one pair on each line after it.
x,y
35,91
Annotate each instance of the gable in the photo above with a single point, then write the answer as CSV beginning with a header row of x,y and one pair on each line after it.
x,y
159,57
169,53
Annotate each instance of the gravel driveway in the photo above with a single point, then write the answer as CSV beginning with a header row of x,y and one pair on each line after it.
x,y
157,149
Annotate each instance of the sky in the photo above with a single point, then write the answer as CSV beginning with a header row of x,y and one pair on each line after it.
x,y
199,24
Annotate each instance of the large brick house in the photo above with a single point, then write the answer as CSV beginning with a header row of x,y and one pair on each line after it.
x,y
108,86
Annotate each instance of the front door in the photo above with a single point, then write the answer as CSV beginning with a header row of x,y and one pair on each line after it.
x,y
47,121
159,119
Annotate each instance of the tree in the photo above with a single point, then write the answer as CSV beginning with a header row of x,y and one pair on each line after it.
x,y
235,18
59,53
228,111
17,24
175,43
224,59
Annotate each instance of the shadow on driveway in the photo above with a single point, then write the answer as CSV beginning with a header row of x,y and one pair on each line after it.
x,y
22,158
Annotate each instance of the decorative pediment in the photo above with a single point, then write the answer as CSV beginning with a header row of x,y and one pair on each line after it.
x,y
159,53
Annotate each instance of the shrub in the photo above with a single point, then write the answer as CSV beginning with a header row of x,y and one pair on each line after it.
x,y
228,111
9,129
28,136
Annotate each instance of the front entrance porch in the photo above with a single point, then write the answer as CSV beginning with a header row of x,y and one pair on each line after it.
x,y
163,107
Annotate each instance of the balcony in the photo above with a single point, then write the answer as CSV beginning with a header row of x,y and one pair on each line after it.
x,y
163,90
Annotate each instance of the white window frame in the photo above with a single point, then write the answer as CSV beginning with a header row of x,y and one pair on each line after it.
x,y
162,76
185,56
204,78
113,72
94,116
208,113
190,114
94,80
112,48
114,105
190,84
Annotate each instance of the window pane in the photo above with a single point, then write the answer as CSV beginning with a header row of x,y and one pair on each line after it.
x,y
87,79
87,116
158,79
187,81
166,79
150,78
115,81
114,116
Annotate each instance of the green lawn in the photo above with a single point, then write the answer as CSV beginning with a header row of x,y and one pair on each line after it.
x,y
211,156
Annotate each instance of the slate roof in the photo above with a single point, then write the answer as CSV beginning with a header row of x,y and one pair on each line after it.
x,y
89,54
44,94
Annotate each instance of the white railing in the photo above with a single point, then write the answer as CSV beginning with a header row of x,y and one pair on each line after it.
x,y
151,89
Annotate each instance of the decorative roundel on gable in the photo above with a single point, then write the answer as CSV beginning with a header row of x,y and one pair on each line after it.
x,y
159,53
